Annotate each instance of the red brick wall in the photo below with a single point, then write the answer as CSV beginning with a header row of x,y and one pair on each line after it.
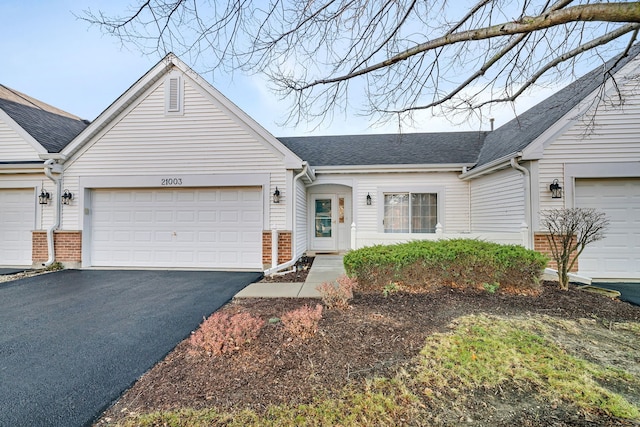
x,y
66,244
266,247
284,247
541,244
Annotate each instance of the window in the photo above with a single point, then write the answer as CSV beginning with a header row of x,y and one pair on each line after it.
x,y
410,212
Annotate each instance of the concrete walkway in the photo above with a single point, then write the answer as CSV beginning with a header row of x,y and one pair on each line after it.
x,y
325,268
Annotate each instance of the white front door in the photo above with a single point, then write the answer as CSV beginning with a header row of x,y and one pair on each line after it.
x,y
324,231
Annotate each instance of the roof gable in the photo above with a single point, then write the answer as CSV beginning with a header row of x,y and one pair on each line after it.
x,y
158,72
50,127
50,130
517,134
388,149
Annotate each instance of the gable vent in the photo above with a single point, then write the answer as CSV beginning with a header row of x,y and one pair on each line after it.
x,y
173,95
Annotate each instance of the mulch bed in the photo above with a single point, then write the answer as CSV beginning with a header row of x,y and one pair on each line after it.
x,y
375,337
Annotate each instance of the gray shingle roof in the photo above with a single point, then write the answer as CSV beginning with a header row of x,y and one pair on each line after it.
x,y
516,134
388,149
52,131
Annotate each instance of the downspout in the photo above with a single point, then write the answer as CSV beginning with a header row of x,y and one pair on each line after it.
x,y
292,261
527,195
56,222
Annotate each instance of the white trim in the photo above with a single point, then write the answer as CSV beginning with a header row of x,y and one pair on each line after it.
x,y
6,168
362,169
151,181
493,166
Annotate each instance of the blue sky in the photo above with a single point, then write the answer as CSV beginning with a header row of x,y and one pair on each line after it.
x,y
51,55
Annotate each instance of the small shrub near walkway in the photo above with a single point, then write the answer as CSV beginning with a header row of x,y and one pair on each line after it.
x,y
421,265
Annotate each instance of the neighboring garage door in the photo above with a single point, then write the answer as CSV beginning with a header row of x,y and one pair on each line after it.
x,y
217,228
617,256
17,220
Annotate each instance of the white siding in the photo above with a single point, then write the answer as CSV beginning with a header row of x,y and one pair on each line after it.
x,y
497,202
202,140
610,135
454,215
13,146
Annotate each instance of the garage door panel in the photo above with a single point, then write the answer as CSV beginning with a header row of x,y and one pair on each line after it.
x,y
617,256
17,220
211,228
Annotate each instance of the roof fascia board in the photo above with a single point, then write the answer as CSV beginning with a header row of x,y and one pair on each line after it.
x,y
451,167
22,133
21,168
291,160
54,156
118,106
535,149
490,167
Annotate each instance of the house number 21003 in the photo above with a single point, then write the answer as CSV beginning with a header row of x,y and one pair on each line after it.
x,y
171,181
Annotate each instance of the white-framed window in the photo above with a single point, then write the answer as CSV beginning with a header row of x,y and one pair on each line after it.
x,y
410,212
173,94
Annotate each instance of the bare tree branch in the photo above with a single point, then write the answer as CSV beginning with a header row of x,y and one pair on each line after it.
x,y
403,55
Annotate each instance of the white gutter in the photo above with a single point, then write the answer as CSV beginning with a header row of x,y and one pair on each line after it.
x,y
292,261
353,169
48,166
527,195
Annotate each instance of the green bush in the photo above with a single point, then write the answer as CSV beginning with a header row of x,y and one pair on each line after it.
x,y
424,264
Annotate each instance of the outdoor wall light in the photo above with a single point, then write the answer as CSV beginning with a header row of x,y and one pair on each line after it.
x,y
556,190
368,199
67,197
44,197
276,196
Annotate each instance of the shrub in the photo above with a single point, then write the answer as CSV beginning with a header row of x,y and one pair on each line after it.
x,y
338,295
302,322
456,262
221,333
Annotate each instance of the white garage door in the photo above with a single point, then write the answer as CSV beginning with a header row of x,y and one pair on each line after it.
x,y
17,220
186,228
618,255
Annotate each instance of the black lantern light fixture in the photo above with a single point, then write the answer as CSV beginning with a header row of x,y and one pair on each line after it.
x,y
556,190
44,197
67,197
368,199
276,196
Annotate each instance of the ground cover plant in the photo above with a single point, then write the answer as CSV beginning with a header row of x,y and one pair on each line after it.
x,y
451,356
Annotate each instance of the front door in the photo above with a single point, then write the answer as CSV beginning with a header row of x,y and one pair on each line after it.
x,y
324,233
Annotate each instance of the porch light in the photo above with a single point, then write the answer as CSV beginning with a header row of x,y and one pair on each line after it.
x,y
44,197
368,199
556,190
67,197
276,196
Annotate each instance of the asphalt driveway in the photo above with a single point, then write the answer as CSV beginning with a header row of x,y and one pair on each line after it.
x,y
629,292
71,342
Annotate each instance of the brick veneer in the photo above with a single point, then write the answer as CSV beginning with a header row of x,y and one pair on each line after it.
x,y
284,247
541,244
66,244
